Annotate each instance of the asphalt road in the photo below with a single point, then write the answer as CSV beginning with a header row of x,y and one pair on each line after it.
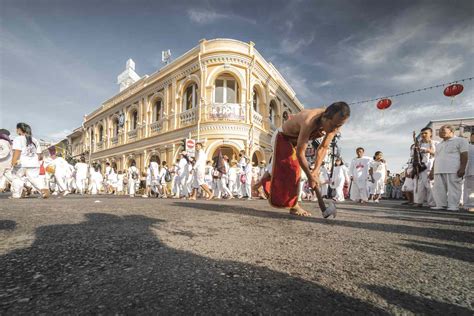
x,y
116,255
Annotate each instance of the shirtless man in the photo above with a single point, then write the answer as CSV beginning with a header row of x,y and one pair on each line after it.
x,y
309,125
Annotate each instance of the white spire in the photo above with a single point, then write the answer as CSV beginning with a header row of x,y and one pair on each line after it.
x,y
129,76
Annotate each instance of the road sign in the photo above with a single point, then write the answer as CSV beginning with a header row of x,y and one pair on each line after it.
x,y
190,146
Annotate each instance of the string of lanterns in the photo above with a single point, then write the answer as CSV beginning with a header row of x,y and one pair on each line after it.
x,y
453,89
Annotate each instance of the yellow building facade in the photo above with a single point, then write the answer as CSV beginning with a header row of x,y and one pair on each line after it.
x,y
222,93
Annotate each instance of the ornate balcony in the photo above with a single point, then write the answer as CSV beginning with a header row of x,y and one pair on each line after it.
x,y
225,112
188,117
257,119
157,126
132,134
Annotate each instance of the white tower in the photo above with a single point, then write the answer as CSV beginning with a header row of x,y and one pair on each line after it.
x,y
129,76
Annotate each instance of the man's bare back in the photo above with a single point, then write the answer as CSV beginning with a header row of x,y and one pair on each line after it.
x,y
303,119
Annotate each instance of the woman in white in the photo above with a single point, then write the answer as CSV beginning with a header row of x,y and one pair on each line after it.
x,y
133,178
223,188
81,175
377,172
340,175
162,176
233,177
198,174
96,180
25,162
120,183
113,179
247,186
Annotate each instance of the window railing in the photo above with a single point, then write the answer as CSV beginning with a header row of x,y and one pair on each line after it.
x,y
257,118
114,140
225,112
187,117
132,134
157,126
99,145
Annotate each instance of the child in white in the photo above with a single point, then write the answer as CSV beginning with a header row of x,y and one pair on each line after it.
x,y
340,175
378,172
323,180
25,162
359,172
96,180
62,174
81,175
133,178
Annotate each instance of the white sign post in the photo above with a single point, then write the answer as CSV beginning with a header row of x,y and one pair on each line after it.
x,y
190,147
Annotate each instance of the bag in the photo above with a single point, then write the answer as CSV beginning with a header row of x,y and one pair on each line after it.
x,y
243,178
167,176
134,175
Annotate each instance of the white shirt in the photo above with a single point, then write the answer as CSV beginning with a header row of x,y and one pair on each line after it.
x,y
61,167
448,155
81,170
182,166
470,164
359,168
200,164
426,157
29,153
155,170
378,169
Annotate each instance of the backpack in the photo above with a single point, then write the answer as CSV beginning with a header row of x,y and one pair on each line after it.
x,y
167,176
243,178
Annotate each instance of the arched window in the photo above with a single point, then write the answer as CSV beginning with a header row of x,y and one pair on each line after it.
x,y
157,111
256,100
134,120
190,97
101,133
272,112
116,127
226,90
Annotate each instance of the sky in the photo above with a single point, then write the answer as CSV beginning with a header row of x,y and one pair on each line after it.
x,y
59,60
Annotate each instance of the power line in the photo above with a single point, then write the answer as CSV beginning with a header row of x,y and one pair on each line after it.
x,y
412,91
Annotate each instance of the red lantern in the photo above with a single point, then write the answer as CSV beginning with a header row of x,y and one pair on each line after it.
x,y
453,90
384,104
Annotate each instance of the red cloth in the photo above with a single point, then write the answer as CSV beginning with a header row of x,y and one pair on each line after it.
x,y
42,171
283,189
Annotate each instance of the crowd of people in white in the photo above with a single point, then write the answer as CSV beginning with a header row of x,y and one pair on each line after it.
x,y
436,175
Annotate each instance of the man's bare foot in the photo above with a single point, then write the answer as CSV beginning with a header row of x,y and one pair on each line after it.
x,y
45,193
192,198
299,211
210,197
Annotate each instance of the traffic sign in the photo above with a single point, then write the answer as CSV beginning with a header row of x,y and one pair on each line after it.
x,y
190,147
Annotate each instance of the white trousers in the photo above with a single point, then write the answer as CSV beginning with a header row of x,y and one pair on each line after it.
x,y
423,190
468,198
132,185
18,176
447,190
61,182
339,192
359,190
223,187
81,184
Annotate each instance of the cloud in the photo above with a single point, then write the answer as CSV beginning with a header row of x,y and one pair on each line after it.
x,y
429,67
57,136
292,44
323,83
208,16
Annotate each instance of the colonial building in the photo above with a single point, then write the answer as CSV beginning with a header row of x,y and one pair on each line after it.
x,y
222,92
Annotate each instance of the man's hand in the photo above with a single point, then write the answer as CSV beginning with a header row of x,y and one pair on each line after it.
x,y
313,183
461,173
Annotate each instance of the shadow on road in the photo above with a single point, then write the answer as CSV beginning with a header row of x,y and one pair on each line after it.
x,y
6,224
111,264
417,304
430,232
445,250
